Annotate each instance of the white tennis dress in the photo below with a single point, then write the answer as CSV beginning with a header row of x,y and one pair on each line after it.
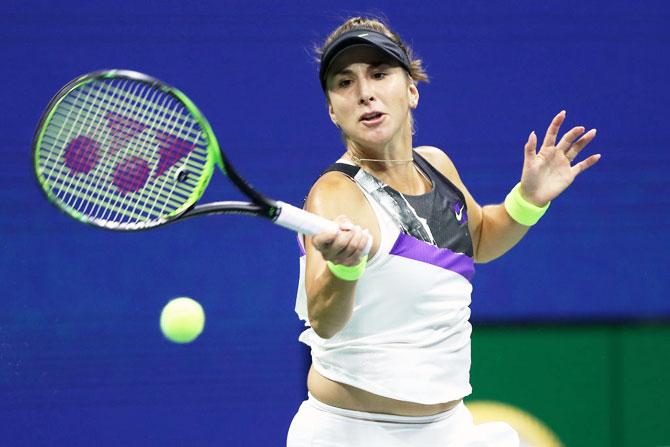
x,y
408,337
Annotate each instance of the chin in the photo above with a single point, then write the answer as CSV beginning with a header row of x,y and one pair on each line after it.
x,y
374,140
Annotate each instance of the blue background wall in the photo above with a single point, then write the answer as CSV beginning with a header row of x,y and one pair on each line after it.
x,y
81,356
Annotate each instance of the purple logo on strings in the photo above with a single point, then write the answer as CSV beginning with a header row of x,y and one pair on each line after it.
x,y
131,173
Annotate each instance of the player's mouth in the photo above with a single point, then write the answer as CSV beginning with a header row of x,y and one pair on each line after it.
x,y
371,118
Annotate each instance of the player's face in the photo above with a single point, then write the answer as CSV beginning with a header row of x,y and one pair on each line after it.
x,y
370,96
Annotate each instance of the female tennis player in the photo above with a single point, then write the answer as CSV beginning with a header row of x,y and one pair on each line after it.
x,y
389,331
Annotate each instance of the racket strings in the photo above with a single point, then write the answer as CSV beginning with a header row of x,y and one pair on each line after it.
x,y
113,149
114,139
97,186
132,171
123,139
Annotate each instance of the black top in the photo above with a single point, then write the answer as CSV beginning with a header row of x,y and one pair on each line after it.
x,y
443,208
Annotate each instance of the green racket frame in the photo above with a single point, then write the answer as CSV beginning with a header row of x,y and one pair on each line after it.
x,y
261,205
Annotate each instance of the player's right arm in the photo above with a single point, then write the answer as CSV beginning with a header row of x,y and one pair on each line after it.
x,y
330,300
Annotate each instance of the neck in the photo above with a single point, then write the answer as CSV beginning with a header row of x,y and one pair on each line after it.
x,y
394,167
392,154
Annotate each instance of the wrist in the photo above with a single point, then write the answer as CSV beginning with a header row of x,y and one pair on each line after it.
x,y
521,210
527,198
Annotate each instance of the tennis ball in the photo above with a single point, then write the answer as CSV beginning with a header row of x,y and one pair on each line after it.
x,y
182,320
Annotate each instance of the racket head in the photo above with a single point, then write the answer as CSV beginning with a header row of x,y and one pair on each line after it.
x,y
121,150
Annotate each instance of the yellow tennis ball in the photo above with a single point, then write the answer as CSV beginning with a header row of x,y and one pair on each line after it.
x,y
182,320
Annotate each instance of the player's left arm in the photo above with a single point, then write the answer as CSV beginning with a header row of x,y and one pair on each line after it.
x,y
545,175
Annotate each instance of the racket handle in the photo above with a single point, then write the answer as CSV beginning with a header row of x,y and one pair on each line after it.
x,y
304,222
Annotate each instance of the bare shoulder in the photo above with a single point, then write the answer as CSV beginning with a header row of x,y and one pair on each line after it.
x,y
334,194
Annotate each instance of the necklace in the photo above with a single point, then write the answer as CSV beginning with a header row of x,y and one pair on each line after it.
x,y
357,160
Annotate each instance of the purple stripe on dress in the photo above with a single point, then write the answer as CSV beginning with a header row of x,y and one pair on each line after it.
x,y
410,247
302,250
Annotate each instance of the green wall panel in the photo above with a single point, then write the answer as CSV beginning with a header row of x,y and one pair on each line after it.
x,y
592,385
645,386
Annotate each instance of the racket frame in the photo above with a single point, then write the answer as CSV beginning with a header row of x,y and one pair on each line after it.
x,y
260,205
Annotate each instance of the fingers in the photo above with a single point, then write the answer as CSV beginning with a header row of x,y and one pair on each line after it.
x,y
552,131
569,137
530,148
323,241
580,144
585,164
353,249
572,143
344,247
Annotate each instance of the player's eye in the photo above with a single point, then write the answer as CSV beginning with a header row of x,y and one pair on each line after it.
x,y
379,75
343,83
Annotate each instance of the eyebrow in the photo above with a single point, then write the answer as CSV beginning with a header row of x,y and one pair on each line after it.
x,y
371,67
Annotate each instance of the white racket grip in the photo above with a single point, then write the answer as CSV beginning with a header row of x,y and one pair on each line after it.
x,y
304,222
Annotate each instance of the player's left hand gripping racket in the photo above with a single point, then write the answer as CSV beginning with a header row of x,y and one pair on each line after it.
x,y
121,150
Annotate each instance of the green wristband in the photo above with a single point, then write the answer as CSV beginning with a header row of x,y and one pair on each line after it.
x,y
522,210
346,272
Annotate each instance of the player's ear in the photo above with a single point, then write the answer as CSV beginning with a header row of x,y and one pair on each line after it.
x,y
413,93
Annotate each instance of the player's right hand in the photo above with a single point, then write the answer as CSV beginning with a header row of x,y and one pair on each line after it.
x,y
345,247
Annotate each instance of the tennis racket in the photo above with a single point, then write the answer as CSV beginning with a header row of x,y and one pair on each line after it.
x,y
124,151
